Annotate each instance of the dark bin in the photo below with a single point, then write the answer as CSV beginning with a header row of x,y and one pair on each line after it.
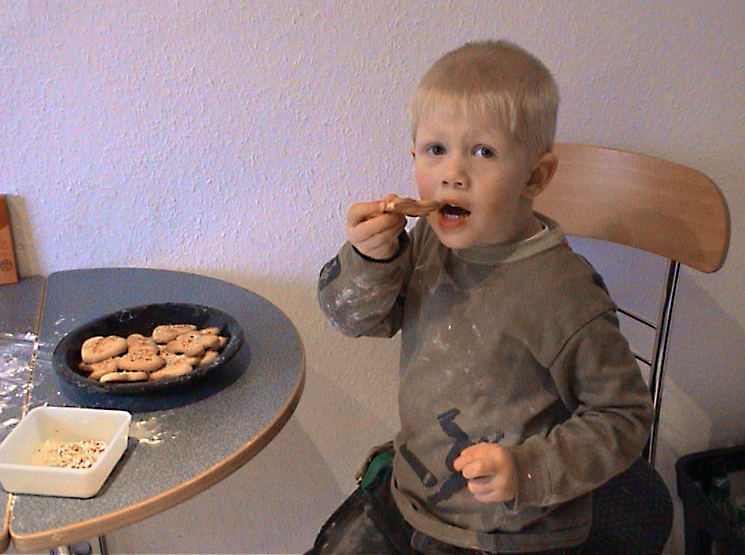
x,y
704,522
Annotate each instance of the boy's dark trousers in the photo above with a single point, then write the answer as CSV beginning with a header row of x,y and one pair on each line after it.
x,y
369,522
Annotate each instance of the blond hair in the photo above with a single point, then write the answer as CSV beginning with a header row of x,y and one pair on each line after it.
x,y
496,81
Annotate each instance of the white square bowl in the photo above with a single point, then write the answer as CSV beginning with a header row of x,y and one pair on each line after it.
x,y
58,425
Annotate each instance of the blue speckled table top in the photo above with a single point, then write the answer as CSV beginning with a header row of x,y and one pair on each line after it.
x,y
181,442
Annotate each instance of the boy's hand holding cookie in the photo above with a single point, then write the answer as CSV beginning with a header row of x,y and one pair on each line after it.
x,y
490,471
372,232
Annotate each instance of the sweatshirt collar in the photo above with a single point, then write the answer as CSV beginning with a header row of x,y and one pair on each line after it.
x,y
548,238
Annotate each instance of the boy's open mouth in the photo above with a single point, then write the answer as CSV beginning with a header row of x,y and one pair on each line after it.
x,y
450,211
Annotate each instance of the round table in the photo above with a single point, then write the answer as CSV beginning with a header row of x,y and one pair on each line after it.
x,y
181,442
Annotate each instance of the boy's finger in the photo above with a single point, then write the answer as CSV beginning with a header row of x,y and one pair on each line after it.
x,y
380,225
462,460
467,455
474,469
466,463
361,211
480,485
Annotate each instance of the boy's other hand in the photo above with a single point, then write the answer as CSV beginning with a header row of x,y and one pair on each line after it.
x,y
490,471
373,233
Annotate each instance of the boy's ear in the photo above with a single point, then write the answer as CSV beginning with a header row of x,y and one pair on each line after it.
x,y
413,154
540,175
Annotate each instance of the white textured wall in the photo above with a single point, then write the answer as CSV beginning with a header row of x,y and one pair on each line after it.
x,y
227,138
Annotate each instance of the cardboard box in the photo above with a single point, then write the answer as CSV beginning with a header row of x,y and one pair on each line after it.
x,y
8,272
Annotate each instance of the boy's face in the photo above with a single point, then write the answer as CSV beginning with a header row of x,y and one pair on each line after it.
x,y
482,176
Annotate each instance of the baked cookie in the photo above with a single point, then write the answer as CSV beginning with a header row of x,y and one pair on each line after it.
x,y
144,349
124,377
136,340
98,348
98,369
169,332
409,206
178,367
209,341
189,344
140,362
170,357
208,357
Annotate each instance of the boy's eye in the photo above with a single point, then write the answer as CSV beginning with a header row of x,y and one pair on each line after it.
x,y
436,149
483,152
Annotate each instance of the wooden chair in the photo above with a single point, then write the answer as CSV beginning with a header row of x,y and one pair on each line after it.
x,y
666,209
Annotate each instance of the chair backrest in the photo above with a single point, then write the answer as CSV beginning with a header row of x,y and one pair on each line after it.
x,y
646,203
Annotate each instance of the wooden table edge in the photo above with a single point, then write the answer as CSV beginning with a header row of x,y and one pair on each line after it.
x,y
67,535
5,534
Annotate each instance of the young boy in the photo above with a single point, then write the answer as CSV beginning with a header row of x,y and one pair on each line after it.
x,y
518,393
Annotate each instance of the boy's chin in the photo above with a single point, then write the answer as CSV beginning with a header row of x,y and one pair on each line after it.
x,y
456,241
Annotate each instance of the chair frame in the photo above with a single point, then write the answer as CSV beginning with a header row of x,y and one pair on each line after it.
x,y
646,203
660,354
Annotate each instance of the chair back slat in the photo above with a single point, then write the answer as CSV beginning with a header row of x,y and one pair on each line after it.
x,y
638,201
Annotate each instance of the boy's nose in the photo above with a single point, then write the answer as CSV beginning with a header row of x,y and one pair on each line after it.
x,y
460,181
455,175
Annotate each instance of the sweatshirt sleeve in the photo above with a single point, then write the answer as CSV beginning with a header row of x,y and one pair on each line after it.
x,y
360,296
598,378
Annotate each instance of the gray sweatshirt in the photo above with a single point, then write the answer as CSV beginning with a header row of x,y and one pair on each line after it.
x,y
514,344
